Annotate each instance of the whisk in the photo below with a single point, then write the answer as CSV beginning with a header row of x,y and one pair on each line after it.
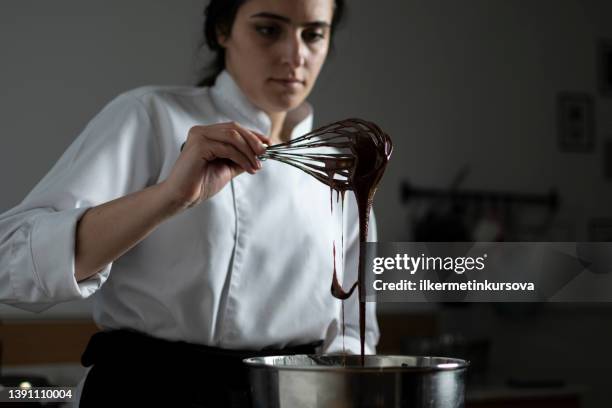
x,y
336,153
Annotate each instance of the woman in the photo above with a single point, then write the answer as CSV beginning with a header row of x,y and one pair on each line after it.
x,y
194,264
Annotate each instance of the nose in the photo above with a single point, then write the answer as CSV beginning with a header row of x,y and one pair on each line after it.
x,y
294,51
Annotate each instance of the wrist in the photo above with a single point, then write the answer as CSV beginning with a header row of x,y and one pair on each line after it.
x,y
171,204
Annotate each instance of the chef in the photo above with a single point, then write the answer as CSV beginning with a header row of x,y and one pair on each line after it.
x,y
197,258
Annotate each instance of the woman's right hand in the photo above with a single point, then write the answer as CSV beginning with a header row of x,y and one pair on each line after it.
x,y
211,157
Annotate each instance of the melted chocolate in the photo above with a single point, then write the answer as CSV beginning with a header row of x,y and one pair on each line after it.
x,y
366,150
372,149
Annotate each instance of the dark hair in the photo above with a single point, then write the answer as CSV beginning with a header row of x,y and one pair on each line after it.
x,y
219,16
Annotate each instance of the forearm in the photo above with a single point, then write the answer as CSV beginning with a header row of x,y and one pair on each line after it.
x,y
107,231
213,155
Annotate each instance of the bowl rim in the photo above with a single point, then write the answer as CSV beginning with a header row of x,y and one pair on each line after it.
x,y
448,364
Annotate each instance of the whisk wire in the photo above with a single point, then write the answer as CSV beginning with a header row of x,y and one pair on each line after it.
x,y
327,153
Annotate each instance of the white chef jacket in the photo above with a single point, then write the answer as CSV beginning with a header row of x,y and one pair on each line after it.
x,y
249,268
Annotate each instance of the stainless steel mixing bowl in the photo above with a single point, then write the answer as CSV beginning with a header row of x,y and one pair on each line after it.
x,y
326,381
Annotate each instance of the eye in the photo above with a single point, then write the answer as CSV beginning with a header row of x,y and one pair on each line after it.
x,y
312,36
268,31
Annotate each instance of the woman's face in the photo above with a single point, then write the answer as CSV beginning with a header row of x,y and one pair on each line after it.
x,y
276,49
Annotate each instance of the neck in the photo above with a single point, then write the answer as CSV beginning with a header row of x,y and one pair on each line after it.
x,y
277,122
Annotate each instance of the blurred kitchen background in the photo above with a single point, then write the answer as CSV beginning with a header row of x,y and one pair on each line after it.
x,y
501,116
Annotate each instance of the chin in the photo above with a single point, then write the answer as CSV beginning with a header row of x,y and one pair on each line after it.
x,y
286,102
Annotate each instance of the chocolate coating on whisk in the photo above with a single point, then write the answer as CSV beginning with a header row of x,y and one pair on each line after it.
x,y
358,149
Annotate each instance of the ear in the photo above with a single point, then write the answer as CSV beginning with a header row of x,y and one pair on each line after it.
x,y
222,37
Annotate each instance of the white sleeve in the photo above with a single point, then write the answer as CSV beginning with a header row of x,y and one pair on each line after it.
x,y
114,155
351,342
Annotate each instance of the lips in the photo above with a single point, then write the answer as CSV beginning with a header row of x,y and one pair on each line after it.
x,y
289,81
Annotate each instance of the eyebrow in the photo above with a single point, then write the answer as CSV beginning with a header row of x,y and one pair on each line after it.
x,y
288,20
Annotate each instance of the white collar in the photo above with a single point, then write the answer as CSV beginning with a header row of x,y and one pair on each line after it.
x,y
233,103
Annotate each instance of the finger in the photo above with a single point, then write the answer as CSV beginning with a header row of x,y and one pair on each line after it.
x,y
264,139
257,141
232,136
235,169
213,149
194,133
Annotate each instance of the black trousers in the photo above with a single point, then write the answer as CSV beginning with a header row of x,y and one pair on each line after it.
x,y
132,368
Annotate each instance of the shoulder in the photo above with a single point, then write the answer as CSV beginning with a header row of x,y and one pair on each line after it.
x,y
167,102
160,94
166,91
140,110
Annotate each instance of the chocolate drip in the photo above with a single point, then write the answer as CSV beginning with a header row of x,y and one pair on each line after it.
x,y
365,152
372,151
